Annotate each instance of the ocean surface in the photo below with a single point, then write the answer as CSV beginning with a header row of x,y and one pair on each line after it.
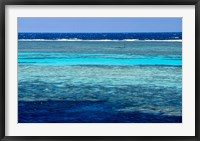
x,y
100,77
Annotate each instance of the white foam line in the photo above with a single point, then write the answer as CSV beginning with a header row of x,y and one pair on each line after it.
x,y
162,40
106,40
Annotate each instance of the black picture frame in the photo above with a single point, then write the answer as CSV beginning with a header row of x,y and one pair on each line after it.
x,y
3,4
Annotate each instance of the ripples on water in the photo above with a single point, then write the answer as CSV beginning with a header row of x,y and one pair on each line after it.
x,y
97,82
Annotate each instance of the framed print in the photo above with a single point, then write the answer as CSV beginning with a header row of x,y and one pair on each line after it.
x,y
99,70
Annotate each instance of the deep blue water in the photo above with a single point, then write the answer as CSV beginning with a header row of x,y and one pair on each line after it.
x,y
100,78
102,36
86,112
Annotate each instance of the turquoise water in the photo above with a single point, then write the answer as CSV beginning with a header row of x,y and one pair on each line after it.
x,y
81,60
100,81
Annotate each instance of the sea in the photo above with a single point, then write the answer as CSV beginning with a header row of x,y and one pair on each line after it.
x,y
100,77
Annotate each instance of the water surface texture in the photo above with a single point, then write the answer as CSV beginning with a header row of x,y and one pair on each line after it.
x,y
100,78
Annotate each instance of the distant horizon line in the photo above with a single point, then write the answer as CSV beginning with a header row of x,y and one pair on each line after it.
x,y
103,32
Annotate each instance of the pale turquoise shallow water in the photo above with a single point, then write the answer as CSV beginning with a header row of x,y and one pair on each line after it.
x,y
143,77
